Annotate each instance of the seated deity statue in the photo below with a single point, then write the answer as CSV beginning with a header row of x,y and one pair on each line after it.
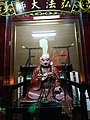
x,y
45,83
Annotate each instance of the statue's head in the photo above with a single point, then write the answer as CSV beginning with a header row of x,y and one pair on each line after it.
x,y
45,60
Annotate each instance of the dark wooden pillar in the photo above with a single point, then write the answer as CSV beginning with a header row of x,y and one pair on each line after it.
x,y
85,40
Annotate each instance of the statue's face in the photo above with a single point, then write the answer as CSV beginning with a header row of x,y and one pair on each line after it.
x,y
45,60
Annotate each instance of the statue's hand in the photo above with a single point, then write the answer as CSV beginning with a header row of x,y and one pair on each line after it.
x,y
45,76
39,76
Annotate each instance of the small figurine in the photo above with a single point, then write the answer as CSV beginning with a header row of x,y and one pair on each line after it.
x,y
45,83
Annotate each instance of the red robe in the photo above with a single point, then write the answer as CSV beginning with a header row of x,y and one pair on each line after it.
x,y
43,89
36,83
